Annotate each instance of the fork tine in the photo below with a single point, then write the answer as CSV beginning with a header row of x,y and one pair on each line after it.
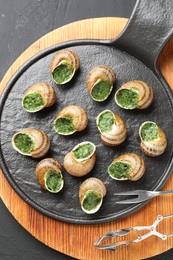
x,y
131,201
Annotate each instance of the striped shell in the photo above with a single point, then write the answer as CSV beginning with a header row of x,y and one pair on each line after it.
x,y
144,91
76,167
68,56
78,115
95,185
43,167
46,91
40,139
100,72
117,135
137,166
154,147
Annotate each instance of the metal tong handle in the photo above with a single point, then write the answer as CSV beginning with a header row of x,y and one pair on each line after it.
x,y
121,244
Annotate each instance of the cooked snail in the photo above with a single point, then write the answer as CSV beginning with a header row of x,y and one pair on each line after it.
x,y
91,195
112,128
134,94
48,173
39,96
153,139
64,65
31,142
100,82
81,159
128,166
70,120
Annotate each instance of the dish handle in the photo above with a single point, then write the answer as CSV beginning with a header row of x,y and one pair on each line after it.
x,y
148,29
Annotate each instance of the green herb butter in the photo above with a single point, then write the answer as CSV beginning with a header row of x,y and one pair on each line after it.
x,y
33,102
24,143
101,90
83,151
127,98
91,200
63,73
53,181
119,170
106,121
149,131
64,125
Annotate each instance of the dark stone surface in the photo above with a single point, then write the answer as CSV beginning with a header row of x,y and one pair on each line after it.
x,y
21,23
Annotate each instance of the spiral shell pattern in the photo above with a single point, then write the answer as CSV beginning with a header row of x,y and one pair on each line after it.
x,y
136,163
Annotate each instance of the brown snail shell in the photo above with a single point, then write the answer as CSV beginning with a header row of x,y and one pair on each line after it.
x,y
43,167
136,163
79,167
153,147
118,133
95,185
103,73
69,57
47,93
78,116
40,140
144,91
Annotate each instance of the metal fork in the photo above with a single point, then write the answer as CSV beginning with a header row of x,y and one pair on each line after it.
x,y
142,195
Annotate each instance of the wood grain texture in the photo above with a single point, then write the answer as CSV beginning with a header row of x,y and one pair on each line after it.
x,y
77,240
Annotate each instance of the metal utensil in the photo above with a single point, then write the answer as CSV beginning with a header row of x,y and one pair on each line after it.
x,y
142,195
121,244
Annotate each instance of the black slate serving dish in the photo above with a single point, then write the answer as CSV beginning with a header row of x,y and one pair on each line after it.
x,y
132,55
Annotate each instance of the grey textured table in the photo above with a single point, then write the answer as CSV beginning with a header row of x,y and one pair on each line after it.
x,y
21,23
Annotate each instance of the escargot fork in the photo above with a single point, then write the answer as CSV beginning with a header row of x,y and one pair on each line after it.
x,y
121,244
142,195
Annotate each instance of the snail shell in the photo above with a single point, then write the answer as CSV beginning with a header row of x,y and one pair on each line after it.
x,y
128,166
134,94
31,142
48,173
67,60
74,117
100,78
115,133
43,92
96,190
80,166
153,140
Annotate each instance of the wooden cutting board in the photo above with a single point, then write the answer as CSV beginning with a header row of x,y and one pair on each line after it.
x,y
77,240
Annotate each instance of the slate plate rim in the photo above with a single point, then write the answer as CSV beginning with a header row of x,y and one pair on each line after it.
x,y
15,186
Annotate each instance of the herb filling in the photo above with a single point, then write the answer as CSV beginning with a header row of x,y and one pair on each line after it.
x,y
64,125
53,181
83,151
119,170
101,90
63,73
91,200
33,102
106,122
149,131
127,98
24,143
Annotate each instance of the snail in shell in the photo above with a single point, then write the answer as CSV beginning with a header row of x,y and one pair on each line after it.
x,y
71,119
128,166
112,128
134,94
91,194
38,97
100,82
64,65
48,173
153,139
31,142
81,159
